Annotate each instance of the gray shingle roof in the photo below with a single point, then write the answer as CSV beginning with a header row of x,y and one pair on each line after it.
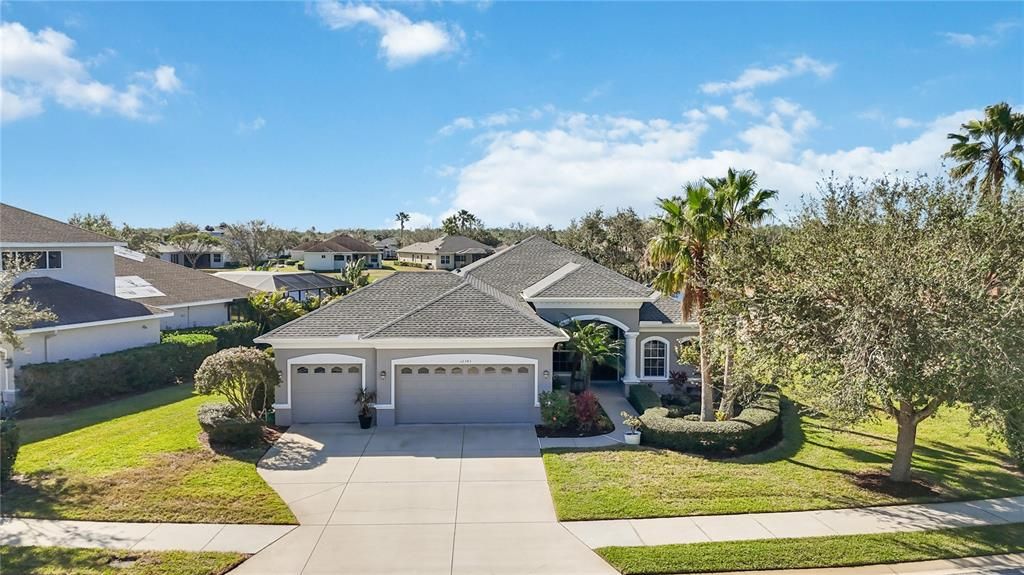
x,y
665,310
75,304
22,226
535,258
179,284
448,245
341,243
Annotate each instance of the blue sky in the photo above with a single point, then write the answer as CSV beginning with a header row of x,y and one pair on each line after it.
x,y
339,115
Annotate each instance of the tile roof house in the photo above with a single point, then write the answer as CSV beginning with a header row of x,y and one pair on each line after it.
x,y
73,276
194,298
445,253
336,253
474,346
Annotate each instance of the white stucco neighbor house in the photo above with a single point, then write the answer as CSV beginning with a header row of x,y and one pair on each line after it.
x,y
195,298
445,253
216,257
388,248
474,346
74,278
334,254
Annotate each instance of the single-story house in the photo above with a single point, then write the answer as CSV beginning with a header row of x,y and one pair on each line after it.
x,y
73,277
297,285
445,253
195,298
475,346
215,257
387,247
335,254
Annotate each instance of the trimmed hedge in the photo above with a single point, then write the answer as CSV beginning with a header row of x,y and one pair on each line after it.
x,y
234,334
10,441
744,433
420,265
51,385
223,426
643,398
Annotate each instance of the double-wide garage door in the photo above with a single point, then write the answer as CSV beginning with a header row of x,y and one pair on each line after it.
x,y
465,394
325,393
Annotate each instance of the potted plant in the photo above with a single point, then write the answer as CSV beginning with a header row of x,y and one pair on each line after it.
x,y
633,423
365,400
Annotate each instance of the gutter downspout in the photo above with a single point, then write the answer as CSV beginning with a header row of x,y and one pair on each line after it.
x,y
46,345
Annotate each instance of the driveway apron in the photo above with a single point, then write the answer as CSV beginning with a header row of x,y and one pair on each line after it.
x,y
424,499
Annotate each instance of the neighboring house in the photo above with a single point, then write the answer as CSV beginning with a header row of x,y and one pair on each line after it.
x,y
387,247
297,285
445,253
475,346
335,254
215,258
74,278
195,298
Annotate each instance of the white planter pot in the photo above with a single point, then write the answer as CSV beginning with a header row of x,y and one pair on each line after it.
x,y
632,438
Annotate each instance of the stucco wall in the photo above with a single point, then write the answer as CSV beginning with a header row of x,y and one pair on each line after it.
x,y
91,267
422,259
556,315
281,357
673,336
196,316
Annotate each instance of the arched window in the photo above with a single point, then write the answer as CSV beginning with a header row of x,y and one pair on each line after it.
x,y
319,370
354,369
473,371
337,369
523,370
423,370
654,357
489,370
456,371
440,371
506,370
406,370
302,370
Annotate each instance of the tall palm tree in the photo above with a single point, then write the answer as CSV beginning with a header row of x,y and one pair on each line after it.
x,y
594,344
988,150
401,218
688,228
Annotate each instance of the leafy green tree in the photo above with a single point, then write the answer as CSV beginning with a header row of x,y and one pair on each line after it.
x,y
99,223
274,309
615,241
594,343
355,273
402,218
988,150
893,299
242,375
137,239
688,230
250,242
193,245
17,310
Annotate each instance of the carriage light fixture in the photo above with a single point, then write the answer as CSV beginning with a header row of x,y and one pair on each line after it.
x,y
547,375
383,374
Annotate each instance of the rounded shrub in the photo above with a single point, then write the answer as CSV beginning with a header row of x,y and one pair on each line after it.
x,y
224,426
10,441
742,434
643,398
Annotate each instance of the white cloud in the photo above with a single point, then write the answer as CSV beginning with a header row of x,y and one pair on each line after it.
x,y
746,102
905,122
490,121
991,37
719,112
417,220
581,162
255,125
402,41
38,66
457,125
753,77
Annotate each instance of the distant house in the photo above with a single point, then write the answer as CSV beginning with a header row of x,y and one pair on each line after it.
x,y
445,253
195,298
297,285
388,248
214,258
72,276
334,254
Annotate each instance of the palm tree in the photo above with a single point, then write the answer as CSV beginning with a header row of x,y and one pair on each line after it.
x,y
594,344
688,228
401,218
989,149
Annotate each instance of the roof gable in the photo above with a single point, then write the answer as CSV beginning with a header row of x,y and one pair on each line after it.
x,y
18,226
179,284
448,245
74,304
341,243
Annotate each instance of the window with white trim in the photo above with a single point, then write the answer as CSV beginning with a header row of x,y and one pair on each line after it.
x,y
446,260
655,358
51,260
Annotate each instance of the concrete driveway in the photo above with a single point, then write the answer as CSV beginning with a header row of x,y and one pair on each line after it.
x,y
430,499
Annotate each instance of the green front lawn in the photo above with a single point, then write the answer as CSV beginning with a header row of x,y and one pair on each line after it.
x,y
64,560
137,459
817,552
814,467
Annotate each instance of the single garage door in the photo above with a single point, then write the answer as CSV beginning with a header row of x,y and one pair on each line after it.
x,y
325,393
465,394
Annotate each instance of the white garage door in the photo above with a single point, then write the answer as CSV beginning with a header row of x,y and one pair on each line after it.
x,y
465,394
325,393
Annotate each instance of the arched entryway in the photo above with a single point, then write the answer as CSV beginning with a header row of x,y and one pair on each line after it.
x,y
567,362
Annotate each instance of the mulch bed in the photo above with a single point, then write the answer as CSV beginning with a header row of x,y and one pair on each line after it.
x,y
878,481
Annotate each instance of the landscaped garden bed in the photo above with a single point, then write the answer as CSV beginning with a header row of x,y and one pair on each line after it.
x,y
65,560
816,465
568,414
137,459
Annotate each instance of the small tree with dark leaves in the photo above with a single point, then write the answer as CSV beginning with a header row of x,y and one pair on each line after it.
x,y
242,375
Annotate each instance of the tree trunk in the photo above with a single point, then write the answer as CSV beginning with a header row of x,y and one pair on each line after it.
x,y
906,439
707,391
728,395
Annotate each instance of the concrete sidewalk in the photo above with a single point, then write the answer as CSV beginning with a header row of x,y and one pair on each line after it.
x,y
140,536
890,519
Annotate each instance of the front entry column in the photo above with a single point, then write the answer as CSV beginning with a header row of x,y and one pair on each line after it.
x,y
630,378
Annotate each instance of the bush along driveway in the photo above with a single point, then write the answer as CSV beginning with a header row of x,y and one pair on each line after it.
x,y
815,466
137,459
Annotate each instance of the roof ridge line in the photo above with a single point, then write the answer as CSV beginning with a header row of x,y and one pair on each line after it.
x,y
493,257
457,287
507,301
